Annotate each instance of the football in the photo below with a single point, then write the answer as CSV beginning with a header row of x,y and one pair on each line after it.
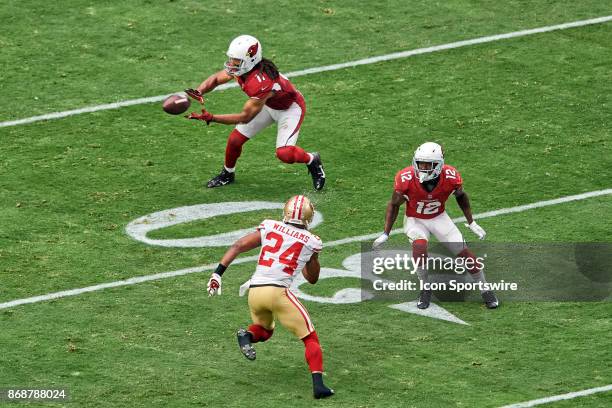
x,y
176,104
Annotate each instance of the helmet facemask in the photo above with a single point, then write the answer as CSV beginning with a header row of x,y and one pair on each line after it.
x,y
431,173
235,70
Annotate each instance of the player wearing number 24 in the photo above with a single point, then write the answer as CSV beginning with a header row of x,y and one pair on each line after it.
x,y
272,98
287,248
424,187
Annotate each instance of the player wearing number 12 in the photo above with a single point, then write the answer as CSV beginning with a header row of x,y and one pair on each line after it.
x,y
287,248
424,187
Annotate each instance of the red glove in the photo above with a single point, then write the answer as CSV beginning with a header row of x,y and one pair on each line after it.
x,y
205,116
195,94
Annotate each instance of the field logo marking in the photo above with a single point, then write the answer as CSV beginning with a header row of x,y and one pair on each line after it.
x,y
434,311
140,227
315,70
352,269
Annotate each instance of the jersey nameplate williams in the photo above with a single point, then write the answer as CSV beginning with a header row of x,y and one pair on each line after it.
x,y
292,233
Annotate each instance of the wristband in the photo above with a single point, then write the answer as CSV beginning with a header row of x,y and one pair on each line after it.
x,y
220,269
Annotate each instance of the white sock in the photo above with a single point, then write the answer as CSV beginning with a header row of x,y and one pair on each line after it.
x,y
311,158
233,169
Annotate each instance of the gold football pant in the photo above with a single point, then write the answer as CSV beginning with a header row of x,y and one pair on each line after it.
x,y
270,303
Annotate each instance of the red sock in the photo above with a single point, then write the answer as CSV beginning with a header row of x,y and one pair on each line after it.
x,y
233,149
313,353
419,252
259,333
467,254
292,154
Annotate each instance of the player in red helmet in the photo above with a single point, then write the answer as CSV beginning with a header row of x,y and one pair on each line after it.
x,y
272,98
288,248
424,187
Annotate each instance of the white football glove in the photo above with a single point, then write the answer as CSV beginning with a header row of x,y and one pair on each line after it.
x,y
380,240
214,285
477,229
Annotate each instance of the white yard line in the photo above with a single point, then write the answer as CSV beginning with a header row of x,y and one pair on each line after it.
x,y
569,395
203,268
334,67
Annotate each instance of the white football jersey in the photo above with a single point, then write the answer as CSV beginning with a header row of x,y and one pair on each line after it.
x,y
285,249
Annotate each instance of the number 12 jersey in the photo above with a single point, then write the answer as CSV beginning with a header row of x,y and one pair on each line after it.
x,y
421,203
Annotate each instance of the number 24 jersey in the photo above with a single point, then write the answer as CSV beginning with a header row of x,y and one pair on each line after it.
x,y
285,249
421,203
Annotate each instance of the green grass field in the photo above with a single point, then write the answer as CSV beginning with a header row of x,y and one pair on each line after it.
x,y
523,120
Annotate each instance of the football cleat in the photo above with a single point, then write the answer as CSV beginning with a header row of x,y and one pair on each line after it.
x,y
424,299
225,177
315,168
490,300
244,342
321,391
